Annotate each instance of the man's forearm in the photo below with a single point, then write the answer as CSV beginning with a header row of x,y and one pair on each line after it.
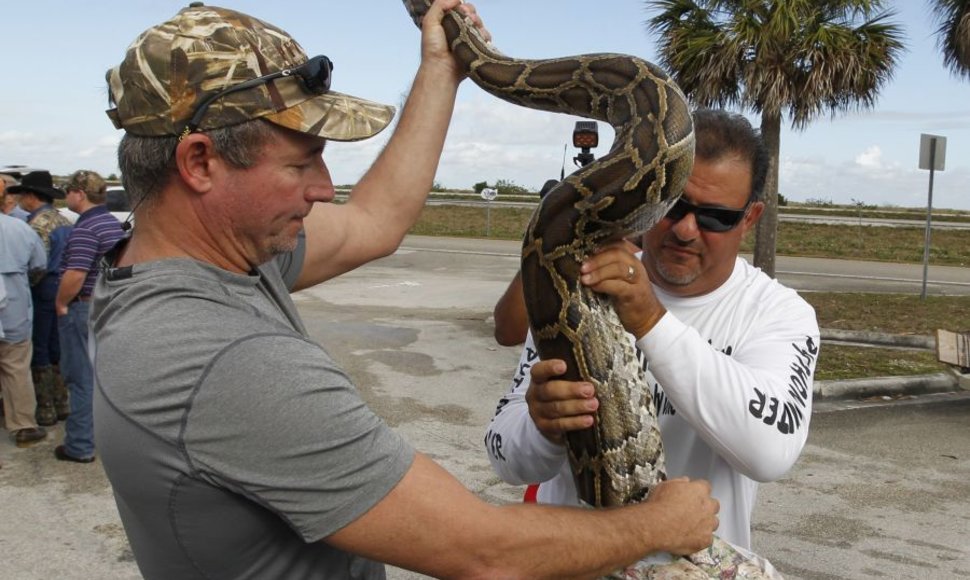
x,y
752,407
388,199
71,283
396,187
453,534
404,172
511,318
518,451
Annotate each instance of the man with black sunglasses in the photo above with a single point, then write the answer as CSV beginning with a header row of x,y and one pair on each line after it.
x,y
235,446
729,352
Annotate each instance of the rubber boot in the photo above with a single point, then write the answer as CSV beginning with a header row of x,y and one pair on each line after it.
x,y
62,402
44,389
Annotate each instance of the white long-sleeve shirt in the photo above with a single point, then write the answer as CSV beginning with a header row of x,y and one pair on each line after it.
x,y
731,376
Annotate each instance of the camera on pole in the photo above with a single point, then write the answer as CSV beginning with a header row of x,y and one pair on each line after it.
x,y
585,137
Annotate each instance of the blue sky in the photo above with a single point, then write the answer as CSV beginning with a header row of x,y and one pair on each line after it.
x,y
57,51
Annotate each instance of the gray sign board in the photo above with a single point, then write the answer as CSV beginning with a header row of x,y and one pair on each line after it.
x,y
935,144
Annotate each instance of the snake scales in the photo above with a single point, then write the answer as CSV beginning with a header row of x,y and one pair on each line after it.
x,y
624,193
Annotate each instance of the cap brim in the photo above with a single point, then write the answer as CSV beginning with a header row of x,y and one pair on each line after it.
x,y
52,193
335,116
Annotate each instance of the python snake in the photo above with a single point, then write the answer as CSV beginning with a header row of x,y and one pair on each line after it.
x,y
622,194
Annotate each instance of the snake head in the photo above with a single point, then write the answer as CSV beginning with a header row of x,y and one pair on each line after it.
x,y
417,9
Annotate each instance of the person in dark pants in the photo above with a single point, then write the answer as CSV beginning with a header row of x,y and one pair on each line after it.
x,y
95,232
37,195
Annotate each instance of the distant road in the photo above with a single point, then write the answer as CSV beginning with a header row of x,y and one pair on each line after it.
x,y
474,200
785,217
810,274
852,221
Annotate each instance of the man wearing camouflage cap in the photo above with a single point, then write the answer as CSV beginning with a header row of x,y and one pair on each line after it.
x,y
95,232
37,195
235,446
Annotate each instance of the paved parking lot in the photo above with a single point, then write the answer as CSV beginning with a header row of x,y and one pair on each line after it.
x,y
882,490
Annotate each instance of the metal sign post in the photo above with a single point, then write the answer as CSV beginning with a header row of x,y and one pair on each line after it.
x,y
932,156
488,194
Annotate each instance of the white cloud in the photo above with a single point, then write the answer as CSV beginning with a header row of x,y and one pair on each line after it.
x,y
110,141
60,153
349,161
488,140
871,179
871,158
27,141
954,119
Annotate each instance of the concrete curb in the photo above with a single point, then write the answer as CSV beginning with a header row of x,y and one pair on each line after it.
x,y
962,379
870,387
951,380
879,338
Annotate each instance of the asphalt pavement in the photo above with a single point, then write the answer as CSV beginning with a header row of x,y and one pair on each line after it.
x,y
881,489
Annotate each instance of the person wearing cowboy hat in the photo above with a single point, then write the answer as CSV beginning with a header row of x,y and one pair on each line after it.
x,y
38,184
37,195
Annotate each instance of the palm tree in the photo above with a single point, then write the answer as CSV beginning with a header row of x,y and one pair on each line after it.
x,y
799,57
953,35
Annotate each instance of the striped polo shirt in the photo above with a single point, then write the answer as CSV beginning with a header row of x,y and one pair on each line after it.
x,y
94,233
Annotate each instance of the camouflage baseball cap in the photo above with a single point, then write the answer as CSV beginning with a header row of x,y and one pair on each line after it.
x,y
172,68
90,182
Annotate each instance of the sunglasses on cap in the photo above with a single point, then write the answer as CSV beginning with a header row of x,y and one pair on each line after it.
x,y
709,218
314,75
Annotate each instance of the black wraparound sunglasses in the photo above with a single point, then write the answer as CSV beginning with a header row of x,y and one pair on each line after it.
x,y
709,218
314,75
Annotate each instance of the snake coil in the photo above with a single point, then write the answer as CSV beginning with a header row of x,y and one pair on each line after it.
x,y
622,194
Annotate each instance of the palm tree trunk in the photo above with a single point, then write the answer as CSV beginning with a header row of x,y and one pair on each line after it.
x,y
766,232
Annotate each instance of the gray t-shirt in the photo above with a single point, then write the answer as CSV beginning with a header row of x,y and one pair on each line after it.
x,y
232,441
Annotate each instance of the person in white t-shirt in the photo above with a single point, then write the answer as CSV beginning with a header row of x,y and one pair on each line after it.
x,y
730,353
